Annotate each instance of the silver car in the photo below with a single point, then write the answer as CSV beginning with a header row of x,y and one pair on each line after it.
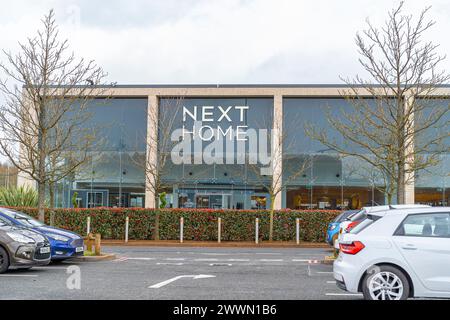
x,y
21,247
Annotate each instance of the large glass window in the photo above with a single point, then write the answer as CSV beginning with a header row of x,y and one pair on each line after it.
x,y
113,172
226,179
432,184
315,176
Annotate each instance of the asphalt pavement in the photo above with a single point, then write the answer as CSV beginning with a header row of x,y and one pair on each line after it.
x,y
182,273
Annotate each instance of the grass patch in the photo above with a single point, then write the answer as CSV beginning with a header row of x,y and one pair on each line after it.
x,y
88,253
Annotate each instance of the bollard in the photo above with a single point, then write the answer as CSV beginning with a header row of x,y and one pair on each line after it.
x,y
98,239
297,233
127,224
88,225
257,231
219,230
181,229
88,242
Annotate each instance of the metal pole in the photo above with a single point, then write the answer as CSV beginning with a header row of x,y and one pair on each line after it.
x,y
256,230
219,230
88,225
127,224
181,229
297,233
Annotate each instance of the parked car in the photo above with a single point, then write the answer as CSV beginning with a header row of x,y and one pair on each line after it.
x,y
21,247
397,254
64,244
333,227
356,218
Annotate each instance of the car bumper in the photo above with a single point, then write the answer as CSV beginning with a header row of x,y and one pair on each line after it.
x,y
347,272
28,256
67,250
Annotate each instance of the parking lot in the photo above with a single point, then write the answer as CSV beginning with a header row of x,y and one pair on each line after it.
x,y
183,273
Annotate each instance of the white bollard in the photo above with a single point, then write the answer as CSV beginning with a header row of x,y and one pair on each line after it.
x,y
219,230
181,229
127,224
297,233
88,225
257,231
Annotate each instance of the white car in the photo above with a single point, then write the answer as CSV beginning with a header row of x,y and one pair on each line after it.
x,y
353,220
400,254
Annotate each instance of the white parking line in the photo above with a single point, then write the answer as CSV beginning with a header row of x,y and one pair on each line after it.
x,y
50,268
143,258
170,263
325,272
270,260
206,260
238,260
344,294
19,275
271,253
176,259
120,259
301,260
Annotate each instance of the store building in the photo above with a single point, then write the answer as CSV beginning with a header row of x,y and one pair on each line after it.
x,y
114,176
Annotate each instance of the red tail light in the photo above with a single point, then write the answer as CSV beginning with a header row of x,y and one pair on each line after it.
x,y
351,225
352,248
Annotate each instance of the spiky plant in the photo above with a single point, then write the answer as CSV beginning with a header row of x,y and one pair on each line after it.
x,y
18,197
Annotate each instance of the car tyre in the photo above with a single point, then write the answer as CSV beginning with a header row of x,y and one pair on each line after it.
x,y
4,260
385,282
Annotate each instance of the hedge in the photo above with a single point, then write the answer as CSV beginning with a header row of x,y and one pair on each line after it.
x,y
199,224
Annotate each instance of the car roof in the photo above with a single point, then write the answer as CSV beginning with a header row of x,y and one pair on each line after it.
x,y
420,210
385,208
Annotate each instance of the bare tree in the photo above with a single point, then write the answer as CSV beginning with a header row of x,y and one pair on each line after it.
x,y
156,163
391,130
42,122
275,178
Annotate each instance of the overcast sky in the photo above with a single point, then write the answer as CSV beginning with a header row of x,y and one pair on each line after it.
x,y
208,41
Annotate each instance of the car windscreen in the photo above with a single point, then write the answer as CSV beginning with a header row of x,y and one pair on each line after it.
x,y
4,222
22,218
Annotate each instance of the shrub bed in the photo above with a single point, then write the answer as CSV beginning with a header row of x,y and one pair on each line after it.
x,y
237,225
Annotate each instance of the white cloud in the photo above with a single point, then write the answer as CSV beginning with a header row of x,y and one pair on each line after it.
x,y
228,41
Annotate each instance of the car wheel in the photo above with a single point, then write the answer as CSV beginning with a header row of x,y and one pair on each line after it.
x,y
4,260
385,283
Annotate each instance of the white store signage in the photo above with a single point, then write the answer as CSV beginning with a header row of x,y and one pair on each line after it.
x,y
203,115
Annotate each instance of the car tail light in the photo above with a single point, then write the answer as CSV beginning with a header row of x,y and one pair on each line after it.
x,y
351,248
351,226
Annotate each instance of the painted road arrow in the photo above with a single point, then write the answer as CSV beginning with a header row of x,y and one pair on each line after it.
x,y
195,277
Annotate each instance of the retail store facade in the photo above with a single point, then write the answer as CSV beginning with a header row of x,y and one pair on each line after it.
x,y
329,181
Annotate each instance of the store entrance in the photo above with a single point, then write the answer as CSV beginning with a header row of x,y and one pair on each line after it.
x,y
208,198
213,201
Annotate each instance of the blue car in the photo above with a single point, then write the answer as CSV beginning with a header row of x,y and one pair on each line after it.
x,y
333,227
64,244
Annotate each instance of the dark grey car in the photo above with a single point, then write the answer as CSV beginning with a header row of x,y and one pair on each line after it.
x,y
21,247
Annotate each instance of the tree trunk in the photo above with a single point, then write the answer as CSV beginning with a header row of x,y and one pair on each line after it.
x,y
51,195
51,190
272,205
156,236
401,184
41,201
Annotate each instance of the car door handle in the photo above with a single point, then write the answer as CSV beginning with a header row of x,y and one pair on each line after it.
x,y
409,247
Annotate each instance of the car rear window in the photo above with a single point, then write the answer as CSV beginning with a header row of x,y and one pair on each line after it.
x,y
369,219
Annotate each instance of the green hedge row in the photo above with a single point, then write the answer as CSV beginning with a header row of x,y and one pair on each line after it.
x,y
237,225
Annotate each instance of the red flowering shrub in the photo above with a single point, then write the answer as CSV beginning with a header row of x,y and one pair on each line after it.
x,y
199,224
